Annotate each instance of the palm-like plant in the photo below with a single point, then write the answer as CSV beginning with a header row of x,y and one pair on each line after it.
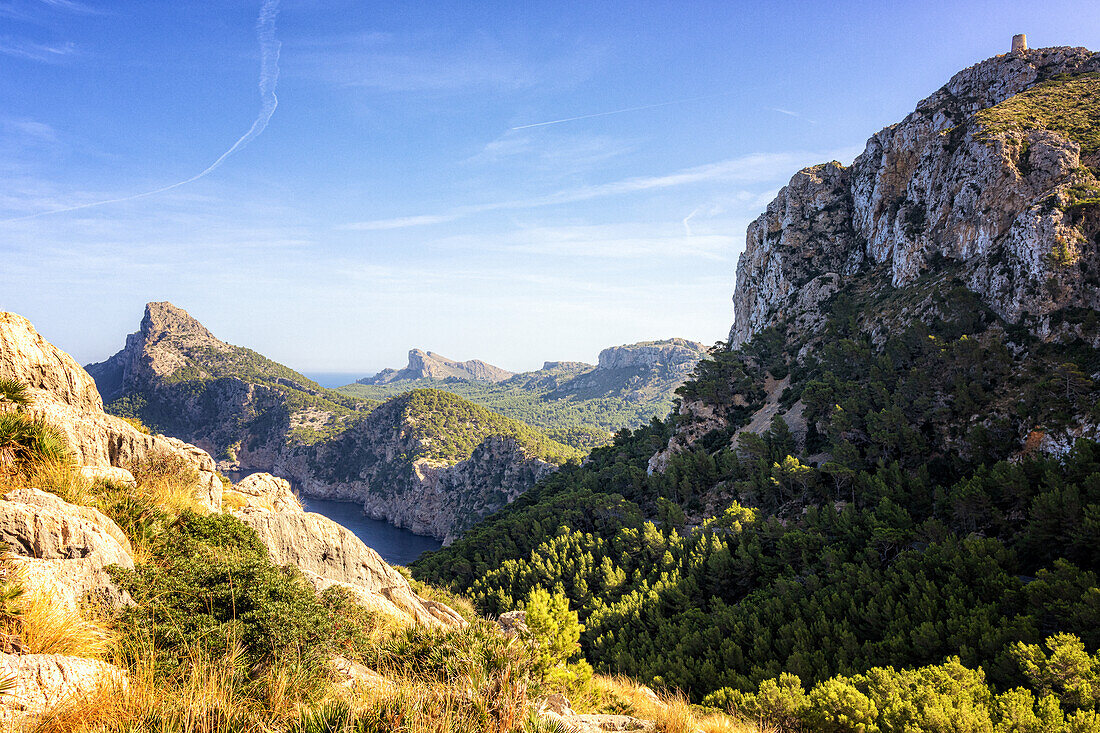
x,y
23,438
13,393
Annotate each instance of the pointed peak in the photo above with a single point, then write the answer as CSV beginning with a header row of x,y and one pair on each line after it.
x,y
164,317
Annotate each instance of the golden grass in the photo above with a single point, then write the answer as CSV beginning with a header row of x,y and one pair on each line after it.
x,y
169,482
672,712
48,627
57,477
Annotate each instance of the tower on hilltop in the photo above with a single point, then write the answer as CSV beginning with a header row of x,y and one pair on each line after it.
x,y
1019,43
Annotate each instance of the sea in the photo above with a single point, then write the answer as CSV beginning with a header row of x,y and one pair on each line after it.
x,y
396,546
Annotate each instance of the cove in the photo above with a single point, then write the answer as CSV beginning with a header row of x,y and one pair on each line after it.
x,y
396,546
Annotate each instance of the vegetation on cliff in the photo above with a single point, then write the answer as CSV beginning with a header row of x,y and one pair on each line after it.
x,y
909,537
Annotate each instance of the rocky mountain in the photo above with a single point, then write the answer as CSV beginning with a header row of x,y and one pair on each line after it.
x,y
578,403
981,207
428,365
429,462
993,177
893,470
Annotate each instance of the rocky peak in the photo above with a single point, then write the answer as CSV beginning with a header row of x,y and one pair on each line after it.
x,y
977,180
672,352
429,365
164,319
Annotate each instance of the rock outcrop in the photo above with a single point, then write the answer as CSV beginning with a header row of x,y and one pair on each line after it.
x,y
444,501
428,365
976,179
43,681
329,554
268,492
66,396
675,352
61,550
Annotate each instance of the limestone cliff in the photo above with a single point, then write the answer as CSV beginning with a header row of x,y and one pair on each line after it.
x,y
980,209
993,174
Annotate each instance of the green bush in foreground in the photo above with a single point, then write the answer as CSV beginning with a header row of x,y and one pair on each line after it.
x,y
210,580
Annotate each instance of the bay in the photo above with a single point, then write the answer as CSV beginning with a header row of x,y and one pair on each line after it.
x,y
396,546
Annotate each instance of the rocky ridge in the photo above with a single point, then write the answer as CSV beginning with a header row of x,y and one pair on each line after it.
x,y
988,188
958,183
428,365
257,415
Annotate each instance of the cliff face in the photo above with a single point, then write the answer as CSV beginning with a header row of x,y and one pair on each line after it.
x,y
977,217
988,175
427,365
66,396
432,476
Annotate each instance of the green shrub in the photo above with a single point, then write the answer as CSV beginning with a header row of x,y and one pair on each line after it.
x,y
26,441
210,579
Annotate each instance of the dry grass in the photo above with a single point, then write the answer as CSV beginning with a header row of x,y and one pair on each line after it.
x,y
672,712
48,624
57,477
169,482
207,696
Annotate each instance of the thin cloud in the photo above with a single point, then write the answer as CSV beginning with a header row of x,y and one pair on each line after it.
x,y
754,168
40,52
269,77
620,111
789,113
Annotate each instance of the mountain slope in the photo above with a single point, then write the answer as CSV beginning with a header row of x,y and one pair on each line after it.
x,y
430,462
579,404
894,462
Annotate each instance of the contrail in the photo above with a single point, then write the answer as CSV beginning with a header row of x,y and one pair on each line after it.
x,y
619,111
269,77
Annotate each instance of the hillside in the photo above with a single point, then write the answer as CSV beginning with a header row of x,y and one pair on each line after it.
x,y
576,403
138,596
877,508
426,461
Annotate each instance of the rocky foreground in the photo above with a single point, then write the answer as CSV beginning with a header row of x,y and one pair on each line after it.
x,y
64,550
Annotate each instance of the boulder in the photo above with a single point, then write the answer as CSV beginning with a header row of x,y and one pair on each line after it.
x,y
36,524
354,675
42,681
112,474
513,623
62,549
267,491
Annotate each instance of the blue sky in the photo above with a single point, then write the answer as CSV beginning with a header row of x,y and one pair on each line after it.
x,y
405,193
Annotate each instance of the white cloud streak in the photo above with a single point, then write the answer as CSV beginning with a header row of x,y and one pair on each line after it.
x,y
753,168
269,77
620,111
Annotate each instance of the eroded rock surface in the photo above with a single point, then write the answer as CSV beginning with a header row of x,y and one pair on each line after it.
x,y
42,681
938,187
330,554
61,550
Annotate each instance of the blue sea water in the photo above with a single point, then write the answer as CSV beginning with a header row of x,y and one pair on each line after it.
x,y
396,546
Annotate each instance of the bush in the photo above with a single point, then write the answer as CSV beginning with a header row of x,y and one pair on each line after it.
x,y
210,579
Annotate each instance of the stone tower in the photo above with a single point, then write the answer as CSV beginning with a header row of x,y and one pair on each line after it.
x,y
1019,43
